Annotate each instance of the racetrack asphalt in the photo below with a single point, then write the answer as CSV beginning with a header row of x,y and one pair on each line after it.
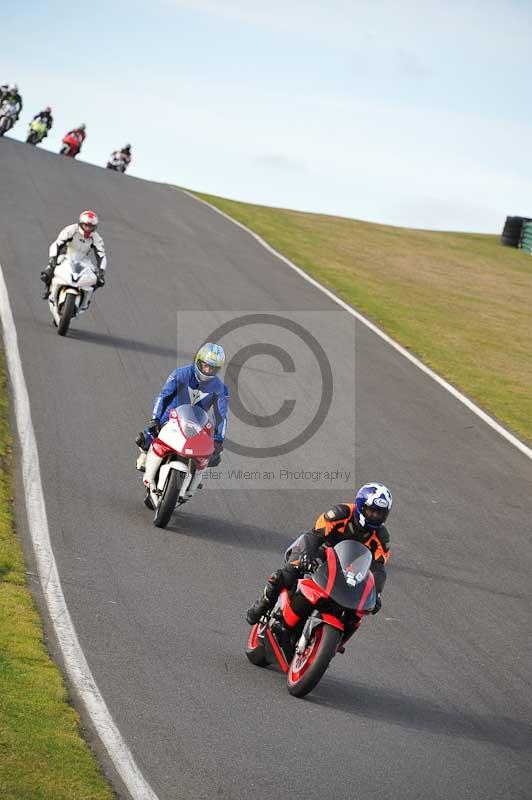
x,y
433,697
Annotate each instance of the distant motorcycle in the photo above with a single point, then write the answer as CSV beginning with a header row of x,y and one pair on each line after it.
x,y
37,132
8,116
71,145
342,584
73,282
117,164
176,461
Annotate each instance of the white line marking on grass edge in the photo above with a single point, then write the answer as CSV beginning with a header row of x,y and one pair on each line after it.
x,y
527,451
76,664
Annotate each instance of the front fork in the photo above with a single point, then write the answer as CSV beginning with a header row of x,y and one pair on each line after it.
x,y
313,622
316,619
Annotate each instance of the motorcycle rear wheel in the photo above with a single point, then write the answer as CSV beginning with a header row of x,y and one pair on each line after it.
x,y
168,500
67,311
307,669
255,648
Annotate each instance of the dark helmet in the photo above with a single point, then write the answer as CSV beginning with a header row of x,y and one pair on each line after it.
x,y
47,110
126,148
372,506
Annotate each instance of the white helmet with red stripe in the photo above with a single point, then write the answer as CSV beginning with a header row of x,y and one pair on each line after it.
x,y
88,222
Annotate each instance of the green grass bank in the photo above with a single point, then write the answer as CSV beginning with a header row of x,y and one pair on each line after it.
x,y
461,302
42,754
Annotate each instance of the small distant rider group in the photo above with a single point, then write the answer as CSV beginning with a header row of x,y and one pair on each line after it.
x,y
10,108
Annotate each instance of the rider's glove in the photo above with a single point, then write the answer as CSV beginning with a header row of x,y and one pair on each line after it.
x,y
100,278
154,426
378,605
306,563
217,454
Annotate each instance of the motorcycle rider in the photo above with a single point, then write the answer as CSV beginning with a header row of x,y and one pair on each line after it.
x,y
77,241
12,95
362,521
195,384
45,116
123,155
80,133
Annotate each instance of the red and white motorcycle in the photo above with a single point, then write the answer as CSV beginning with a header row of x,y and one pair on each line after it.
x,y
176,461
71,291
71,145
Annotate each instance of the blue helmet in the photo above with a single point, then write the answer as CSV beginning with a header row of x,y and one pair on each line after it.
x,y
372,505
208,361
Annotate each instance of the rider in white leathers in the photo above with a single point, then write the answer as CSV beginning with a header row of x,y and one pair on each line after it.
x,y
78,242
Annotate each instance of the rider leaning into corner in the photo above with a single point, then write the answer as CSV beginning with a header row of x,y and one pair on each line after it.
x,y
45,116
77,242
194,384
123,155
12,95
363,521
80,132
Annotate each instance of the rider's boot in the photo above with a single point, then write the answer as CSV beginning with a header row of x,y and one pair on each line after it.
x,y
268,599
46,277
141,461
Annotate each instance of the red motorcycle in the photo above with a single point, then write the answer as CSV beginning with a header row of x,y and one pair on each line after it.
x,y
341,585
176,461
71,145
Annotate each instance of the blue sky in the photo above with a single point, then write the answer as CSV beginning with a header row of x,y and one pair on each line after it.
x,y
408,113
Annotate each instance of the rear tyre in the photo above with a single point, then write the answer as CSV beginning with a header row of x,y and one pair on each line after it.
x,y
168,499
255,648
67,311
307,669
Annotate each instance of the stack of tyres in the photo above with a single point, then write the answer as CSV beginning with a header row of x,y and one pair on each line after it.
x,y
511,235
525,242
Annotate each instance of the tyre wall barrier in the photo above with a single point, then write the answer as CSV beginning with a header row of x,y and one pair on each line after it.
x,y
513,231
525,242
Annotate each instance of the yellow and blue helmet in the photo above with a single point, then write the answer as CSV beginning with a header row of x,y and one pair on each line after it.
x,y
208,361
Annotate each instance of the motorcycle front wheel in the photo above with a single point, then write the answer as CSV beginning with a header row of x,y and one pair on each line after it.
x,y
168,500
67,312
255,648
307,668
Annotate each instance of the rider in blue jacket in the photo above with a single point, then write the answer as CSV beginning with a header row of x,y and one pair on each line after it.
x,y
195,384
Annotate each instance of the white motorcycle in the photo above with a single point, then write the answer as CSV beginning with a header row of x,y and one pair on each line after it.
x,y
8,115
117,164
176,460
70,292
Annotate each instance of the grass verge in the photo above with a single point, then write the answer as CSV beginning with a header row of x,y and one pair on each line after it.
x,y
42,755
459,301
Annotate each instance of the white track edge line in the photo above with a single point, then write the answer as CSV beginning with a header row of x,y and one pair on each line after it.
x,y
75,662
527,451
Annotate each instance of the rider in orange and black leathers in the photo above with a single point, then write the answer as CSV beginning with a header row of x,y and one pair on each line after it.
x,y
362,521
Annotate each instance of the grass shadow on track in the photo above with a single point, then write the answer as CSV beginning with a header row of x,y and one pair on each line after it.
x,y
245,537
420,714
120,343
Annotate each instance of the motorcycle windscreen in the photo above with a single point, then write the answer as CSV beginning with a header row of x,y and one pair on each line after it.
x,y
191,419
349,573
